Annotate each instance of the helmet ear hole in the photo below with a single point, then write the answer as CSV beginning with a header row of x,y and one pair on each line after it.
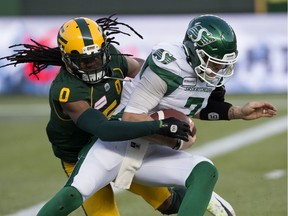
x,y
74,52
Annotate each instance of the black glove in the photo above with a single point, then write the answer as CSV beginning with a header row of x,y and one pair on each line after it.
x,y
175,128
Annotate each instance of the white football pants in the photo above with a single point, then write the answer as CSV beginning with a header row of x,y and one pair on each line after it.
x,y
161,166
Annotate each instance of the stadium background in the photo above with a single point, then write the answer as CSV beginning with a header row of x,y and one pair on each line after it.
x,y
260,25
26,160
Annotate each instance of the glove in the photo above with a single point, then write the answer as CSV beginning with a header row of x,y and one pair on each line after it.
x,y
175,128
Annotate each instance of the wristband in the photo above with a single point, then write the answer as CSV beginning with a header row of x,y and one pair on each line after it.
x,y
178,145
215,110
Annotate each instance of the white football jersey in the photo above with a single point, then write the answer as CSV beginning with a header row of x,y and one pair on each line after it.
x,y
166,81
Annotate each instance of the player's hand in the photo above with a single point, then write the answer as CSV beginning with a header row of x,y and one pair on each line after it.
x,y
254,110
175,128
191,139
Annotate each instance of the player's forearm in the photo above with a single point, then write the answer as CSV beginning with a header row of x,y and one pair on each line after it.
x,y
94,122
235,113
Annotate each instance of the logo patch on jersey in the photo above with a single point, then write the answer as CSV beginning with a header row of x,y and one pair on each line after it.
x,y
107,87
198,89
163,56
213,116
189,81
200,35
100,103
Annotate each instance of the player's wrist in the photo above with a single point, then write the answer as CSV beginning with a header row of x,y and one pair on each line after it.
x,y
234,112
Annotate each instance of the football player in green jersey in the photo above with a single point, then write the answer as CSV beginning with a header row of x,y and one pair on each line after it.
x,y
88,84
170,78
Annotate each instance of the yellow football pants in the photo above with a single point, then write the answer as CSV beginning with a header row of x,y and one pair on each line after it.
x,y
103,203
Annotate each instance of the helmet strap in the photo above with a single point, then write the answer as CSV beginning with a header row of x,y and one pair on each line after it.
x,y
188,57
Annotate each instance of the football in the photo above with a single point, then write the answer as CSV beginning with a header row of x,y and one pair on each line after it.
x,y
167,113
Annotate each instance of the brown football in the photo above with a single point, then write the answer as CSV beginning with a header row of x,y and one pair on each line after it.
x,y
167,113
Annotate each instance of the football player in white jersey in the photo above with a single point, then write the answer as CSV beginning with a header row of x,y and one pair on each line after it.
x,y
186,76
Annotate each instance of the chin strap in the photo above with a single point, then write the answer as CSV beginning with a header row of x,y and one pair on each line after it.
x,y
116,78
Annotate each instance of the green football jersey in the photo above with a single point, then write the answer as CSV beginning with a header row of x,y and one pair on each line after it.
x,y
66,138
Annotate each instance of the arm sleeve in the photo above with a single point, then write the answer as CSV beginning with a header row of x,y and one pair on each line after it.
x,y
148,93
217,108
94,122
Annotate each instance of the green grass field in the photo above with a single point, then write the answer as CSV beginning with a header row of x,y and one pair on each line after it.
x,y
30,173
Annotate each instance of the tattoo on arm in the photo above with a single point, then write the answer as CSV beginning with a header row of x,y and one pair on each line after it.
x,y
234,113
231,113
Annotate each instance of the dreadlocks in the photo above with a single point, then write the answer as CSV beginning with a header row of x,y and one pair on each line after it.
x,y
110,26
42,56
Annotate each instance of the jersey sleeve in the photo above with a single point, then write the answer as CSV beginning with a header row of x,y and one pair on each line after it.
x,y
149,91
158,78
217,108
118,61
166,66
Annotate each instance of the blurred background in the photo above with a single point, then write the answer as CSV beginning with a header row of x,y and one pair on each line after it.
x,y
253,177
260,26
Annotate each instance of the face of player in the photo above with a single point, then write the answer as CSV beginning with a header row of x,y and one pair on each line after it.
x,y
92,63
213,69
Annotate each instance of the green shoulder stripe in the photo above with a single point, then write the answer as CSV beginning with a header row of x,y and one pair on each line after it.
x,y
172,80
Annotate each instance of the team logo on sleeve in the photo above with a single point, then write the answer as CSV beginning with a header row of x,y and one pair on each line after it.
x,y
107,87
163,56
